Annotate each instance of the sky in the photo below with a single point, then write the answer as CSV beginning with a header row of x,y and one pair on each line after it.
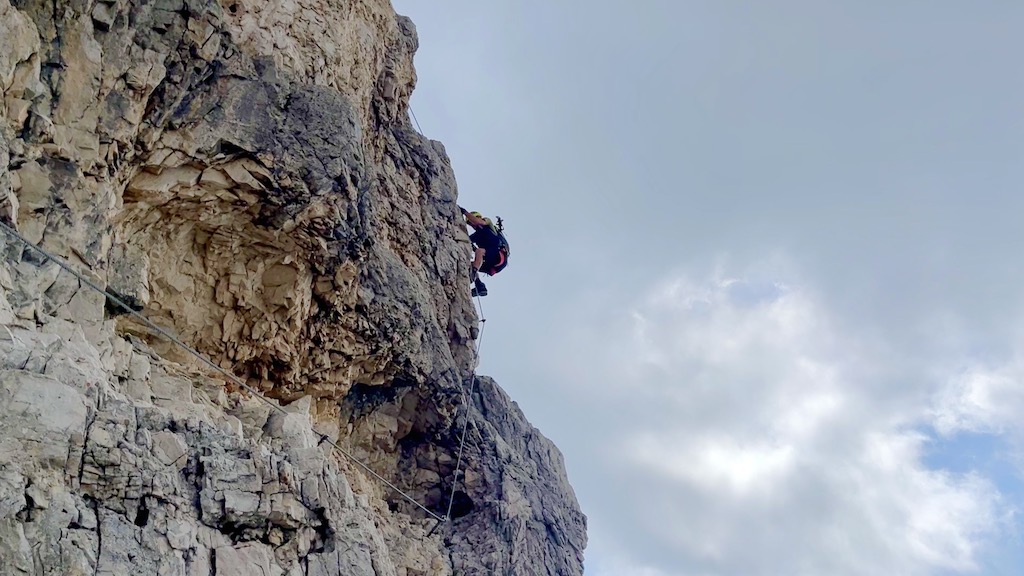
x,y
764,290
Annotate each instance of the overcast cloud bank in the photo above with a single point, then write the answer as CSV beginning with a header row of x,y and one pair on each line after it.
x,y
841,392
768,448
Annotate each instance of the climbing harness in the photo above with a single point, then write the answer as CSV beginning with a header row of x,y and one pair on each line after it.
x,y
323,437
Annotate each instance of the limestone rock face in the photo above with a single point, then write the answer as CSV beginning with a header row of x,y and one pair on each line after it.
x,y
506,455
243,173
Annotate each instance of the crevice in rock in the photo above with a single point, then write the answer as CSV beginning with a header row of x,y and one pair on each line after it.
x,y
90,420
363,399
113,309
325,533
27,513
194,477
142,515
99,532
462,505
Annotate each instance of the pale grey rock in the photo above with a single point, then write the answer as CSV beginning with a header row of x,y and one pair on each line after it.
x,y
253,415
77,549
180,534
128,278
294,429
103,14
12,490
139,367
169,448
168,390
515,478
139,390
9,203
244,560
7,315
14,547
354,560
199,563
287,511
122,550
39,496
67,330
240,507
116,352
30,283
39,415
59,293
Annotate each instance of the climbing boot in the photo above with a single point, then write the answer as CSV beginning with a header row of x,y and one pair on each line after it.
x,y
478,288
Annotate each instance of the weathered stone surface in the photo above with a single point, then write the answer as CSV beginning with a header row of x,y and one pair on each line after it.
x,y
169,448
245,559
129,275
244,173
510,458
38,414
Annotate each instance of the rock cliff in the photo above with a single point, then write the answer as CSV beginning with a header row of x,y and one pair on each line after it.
x,y
243,173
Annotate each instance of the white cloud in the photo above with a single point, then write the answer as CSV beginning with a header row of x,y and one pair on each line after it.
x,y
715,463
765,449
929,518
982,399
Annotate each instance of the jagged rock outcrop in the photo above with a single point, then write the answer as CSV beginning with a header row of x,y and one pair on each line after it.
x,y
244,173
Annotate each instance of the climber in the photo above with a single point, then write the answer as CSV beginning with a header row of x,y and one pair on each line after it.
x,y
491,255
